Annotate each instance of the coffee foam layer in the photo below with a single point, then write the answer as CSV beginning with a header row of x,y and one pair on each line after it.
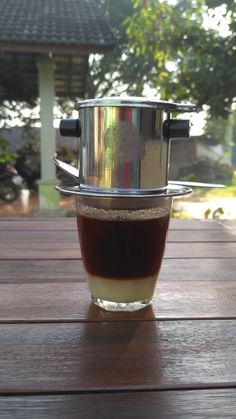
x,y
123,214
122,290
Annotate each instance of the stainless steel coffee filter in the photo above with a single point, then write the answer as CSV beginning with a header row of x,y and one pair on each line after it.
x,y
125,143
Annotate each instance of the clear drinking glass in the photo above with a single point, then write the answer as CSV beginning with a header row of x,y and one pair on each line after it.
x,y
122,243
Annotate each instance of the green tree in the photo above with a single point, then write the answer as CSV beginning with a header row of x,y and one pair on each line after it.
x,y
5,156
122,70
216,129
190,62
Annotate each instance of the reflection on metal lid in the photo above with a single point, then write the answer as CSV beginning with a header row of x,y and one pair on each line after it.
x,y
133,101
170,190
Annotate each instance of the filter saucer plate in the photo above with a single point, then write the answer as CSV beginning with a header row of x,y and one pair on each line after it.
x,y
170,190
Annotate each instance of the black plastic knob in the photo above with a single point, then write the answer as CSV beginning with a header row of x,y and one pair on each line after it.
x,y
70,128
176,129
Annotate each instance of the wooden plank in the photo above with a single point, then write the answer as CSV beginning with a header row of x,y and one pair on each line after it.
x,y
217,403
201,235
60,250
177,224
201,250
215,269
46,271
33,271
38,251
229,224
41,237
71,302
36,358
37,224
71,236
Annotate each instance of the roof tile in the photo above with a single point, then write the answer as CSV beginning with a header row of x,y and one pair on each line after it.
x,y
68,22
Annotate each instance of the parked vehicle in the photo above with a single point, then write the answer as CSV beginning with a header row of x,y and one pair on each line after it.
x,y
27,165
10,183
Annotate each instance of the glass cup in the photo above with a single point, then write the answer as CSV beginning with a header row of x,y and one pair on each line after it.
x,y
122,244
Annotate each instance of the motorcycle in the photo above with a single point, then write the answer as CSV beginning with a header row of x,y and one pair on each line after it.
x,y
10,183
28,167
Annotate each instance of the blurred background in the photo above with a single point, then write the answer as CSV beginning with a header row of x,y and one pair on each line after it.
x,y
56,52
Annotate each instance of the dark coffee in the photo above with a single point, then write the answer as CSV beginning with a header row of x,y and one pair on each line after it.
x,y
123,249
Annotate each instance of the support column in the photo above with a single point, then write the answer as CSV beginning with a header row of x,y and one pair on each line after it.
x,y
48,196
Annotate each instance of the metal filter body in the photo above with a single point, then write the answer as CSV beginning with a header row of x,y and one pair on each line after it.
x,y
123,148
125,143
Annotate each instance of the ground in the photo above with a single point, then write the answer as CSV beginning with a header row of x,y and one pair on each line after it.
x,y
224,208
208,203
27,205
196,206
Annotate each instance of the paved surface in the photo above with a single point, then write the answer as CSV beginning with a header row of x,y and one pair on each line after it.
x,y
225,207
27,204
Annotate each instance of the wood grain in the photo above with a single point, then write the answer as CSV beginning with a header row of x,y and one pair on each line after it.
x,y
33,271
38,358
71,302
229,224
61,250
43,271
17,224
71,236
35,242
39,237
192,235
54,341
130,405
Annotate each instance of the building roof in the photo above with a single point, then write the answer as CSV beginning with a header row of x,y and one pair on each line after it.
x,y
68,30
54,26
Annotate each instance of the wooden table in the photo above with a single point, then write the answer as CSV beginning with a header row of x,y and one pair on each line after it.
x,y
63,357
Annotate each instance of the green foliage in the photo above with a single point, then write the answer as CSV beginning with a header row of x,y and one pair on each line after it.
x,y
122,70
12,112
204,170
152,35
203,62
208,194
234,180
68,154
216,128
179,214
214,214
5,156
